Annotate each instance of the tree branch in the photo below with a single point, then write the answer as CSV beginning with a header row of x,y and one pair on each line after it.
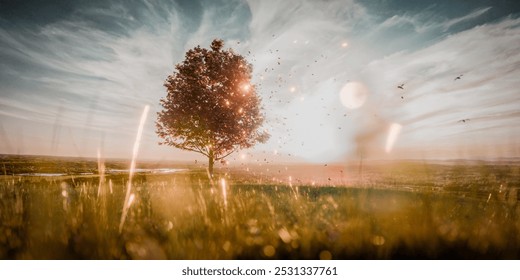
x,y
224,156
197,150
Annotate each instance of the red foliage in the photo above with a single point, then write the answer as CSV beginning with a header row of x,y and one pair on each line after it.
x,y
211,106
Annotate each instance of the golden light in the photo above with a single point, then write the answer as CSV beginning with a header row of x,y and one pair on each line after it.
x,y
292,89
246,87
344,44
353,95
240,110
227,102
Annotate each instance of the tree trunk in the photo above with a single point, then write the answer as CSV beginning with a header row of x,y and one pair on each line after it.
x,y
211,158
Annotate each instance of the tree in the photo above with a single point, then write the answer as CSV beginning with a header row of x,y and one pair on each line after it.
x,y
211,107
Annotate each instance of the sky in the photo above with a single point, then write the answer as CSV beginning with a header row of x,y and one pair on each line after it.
x,y
339,80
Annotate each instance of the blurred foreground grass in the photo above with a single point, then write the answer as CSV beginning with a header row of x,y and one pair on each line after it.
x,y
409,211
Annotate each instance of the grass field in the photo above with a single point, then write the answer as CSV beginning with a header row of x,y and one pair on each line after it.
x,y
384,211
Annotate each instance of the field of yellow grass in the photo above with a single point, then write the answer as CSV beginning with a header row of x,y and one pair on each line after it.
x,y
389,211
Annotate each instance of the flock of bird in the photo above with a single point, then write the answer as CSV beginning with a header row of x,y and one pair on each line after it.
x,y
459,77
282,81
283,93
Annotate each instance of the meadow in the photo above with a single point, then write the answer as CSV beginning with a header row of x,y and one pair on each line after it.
x,y
384,210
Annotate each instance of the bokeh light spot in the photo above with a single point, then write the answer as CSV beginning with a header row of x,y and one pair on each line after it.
x,y
269,251
353,95
325,255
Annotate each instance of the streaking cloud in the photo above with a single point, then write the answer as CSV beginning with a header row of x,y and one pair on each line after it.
x,y
68,80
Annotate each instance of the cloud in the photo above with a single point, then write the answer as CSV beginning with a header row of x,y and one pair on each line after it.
x,y
434,101
102,79
98,70
300,65
475,14
98,67
427,21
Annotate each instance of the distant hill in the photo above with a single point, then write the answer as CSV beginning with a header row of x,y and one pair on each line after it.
x,y
21,164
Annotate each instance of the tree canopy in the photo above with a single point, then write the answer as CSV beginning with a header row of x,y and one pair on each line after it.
x,y
211,106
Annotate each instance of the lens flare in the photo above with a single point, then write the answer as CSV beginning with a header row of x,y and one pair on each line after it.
x,y
131,199
393,133
353,95
135,150
224,191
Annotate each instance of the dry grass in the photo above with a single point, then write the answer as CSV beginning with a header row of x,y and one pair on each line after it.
x,y
399,211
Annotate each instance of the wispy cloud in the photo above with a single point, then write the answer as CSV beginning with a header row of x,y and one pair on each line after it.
x,y
475,14
428,21
434,101
97,69
101,78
